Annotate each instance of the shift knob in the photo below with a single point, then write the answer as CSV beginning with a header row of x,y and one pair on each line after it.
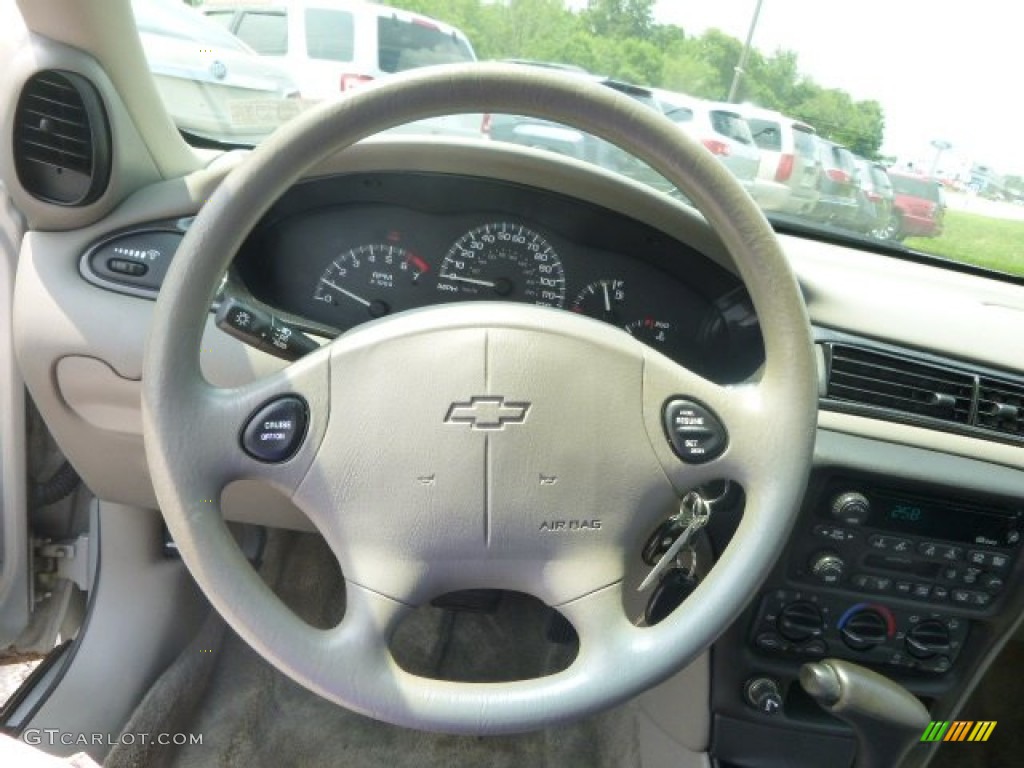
x,y
887,718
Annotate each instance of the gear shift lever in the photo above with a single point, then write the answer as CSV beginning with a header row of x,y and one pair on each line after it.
x,y
886,717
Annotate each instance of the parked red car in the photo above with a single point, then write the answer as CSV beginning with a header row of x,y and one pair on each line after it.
x,y
918,206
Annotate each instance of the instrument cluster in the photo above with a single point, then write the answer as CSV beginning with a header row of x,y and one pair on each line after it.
x,y
331,262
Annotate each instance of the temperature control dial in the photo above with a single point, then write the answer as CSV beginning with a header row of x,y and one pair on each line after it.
x,y
866,626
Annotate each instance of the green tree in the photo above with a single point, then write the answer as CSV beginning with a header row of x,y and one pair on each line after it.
x,y
620,18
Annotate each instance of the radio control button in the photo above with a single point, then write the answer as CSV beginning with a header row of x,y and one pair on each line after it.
x,y
860,580
991,582
980,599
978,557
890,543
971,576
882,584
834,533
944,551
961,596
951,574
903,587
999,561
921,591
940,593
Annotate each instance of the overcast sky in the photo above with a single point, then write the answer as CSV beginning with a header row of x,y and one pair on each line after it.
x,y
942,69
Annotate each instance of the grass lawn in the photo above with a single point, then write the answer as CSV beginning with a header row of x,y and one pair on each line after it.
x,y
993,243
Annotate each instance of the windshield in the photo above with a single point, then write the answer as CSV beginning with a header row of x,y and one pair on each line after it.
x,y
845,139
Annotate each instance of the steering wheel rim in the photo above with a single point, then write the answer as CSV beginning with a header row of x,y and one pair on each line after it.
x,y
191,428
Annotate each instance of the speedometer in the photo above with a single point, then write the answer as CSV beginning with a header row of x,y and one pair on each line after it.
x,y
503,261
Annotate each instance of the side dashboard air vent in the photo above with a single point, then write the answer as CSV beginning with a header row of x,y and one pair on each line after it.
x,y
62,139
899,384
1001,406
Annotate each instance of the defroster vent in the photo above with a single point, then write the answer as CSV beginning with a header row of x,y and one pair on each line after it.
x,y
61,139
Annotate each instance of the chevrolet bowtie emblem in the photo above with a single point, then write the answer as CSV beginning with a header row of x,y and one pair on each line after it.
x,y
487,413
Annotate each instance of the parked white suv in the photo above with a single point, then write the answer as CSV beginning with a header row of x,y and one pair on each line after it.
x,y
332,46
788,173
720,128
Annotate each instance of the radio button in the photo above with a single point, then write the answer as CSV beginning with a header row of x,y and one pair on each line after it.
x,y
889,543
999,561
944,551
978,557
971,576
882,584
921,591
961,596
940,593
834,533
951,574
904,587
991,582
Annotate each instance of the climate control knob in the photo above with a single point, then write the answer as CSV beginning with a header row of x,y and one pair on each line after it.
x,y
800,621
851,508
827,567
927,639
864,629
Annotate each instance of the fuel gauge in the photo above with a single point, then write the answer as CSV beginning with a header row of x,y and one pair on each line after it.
x,y
601,299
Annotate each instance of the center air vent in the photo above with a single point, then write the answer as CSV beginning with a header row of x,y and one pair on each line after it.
x,y
61,139
899,384
1001,406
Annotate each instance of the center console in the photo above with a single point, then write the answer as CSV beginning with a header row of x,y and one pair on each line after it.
x,y
902,578
885,575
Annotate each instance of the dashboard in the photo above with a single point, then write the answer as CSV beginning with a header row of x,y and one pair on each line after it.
x,y
334,253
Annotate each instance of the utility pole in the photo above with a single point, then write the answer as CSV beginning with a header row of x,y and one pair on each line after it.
x,y
737,71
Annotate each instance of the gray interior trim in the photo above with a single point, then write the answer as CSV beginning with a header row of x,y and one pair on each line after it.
x,y
918,437
143,611
14,576
916,305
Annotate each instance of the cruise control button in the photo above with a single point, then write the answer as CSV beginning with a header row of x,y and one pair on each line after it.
x,y
695,433
275,432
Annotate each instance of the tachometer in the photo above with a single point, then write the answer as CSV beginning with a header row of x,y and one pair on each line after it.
x,y
362,280
503,261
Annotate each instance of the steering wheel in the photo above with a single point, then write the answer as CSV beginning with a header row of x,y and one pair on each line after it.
x,y
479,445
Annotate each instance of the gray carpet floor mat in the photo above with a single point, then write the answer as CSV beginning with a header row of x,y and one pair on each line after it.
x,y
251,715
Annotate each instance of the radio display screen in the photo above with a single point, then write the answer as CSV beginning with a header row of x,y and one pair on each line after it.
x,y
950,521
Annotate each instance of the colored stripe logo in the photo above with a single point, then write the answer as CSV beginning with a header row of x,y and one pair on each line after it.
x,y
959,730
